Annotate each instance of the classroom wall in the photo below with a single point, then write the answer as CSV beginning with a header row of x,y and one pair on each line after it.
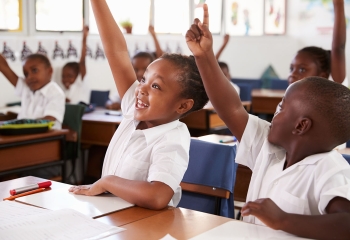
x,y
247,57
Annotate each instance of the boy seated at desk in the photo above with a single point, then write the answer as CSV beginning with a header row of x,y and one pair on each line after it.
x,y
41,98
299,184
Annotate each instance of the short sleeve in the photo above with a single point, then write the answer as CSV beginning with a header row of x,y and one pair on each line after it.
x,y
170,159
55,105
128,100
254,135
335,183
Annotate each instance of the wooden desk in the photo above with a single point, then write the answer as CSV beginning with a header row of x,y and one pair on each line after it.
x,y
119,218
98,128
180,223
266,100
25,152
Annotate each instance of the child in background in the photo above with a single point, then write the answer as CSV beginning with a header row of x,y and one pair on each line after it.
x,y
41,98
73,74
223,65
299,183
140,62
148,154
159,52
315,61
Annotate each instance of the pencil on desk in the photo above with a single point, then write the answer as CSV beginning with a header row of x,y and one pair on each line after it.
x,y
24,194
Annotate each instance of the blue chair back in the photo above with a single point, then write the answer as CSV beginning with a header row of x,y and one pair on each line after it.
x,y
347,157
348,144
99,98
255,83
245,92
210,165
278,84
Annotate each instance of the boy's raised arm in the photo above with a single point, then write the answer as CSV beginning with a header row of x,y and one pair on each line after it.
x,y
7,71
115,47
220,91
338,70
82,64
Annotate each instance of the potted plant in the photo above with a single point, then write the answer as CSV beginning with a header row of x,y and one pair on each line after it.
x,y
127,25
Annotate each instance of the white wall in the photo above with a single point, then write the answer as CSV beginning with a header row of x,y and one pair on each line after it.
x,y
247,56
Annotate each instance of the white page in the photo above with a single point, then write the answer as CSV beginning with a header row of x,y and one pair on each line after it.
x,y
10,210
243,230
60,224
92,206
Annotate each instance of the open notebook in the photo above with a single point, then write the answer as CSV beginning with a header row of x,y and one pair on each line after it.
x,y
20,221
92,206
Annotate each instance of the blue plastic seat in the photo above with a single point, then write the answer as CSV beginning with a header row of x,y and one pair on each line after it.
x,y
99,98
278,84
209,180
347,157
245,92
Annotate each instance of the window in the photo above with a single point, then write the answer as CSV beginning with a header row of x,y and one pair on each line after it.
x,y
135,11
171,16
62,15
244,17
10,15
215,13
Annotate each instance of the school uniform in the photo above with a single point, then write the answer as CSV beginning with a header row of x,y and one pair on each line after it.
x,y
47,101
159,154
79,91
303,188
115,97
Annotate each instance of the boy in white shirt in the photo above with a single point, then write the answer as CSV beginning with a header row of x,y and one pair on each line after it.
x,y
40,97
73,77
299,184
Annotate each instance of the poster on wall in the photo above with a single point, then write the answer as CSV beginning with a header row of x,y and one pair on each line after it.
x,y
316,17
244,17
275,17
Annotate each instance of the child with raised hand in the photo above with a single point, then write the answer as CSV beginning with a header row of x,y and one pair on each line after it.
x,y
41,98
73,74
148,154
299,183
159,52
315,61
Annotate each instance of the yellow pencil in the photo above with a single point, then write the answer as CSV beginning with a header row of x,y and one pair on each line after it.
x,y
24,194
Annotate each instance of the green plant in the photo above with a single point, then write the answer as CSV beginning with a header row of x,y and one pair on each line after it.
x,y
126,24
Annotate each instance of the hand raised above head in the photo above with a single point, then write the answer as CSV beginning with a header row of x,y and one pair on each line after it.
x,y
198,38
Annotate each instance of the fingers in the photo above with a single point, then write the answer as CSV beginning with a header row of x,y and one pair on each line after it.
x,y
205,15
194,33
81,190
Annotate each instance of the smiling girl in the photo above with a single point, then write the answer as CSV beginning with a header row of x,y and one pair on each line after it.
x,y
148,154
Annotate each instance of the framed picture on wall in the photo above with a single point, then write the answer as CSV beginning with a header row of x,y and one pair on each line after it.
x,y
244,17
275,17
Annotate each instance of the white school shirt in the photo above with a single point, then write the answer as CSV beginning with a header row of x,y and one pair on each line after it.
x,y
303,188
79,91
159,154
115,97
47,101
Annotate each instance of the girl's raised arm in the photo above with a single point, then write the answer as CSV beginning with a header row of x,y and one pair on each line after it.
x,y
338,70
115,47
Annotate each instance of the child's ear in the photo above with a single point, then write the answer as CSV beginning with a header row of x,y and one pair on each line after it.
x,y
50,70
185,106
302,126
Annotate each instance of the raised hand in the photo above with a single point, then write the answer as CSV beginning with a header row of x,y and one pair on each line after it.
x,y
85,31
198,38
151,30
266,211
226,39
